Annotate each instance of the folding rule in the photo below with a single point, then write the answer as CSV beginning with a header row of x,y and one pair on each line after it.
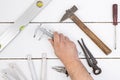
x,y
21,22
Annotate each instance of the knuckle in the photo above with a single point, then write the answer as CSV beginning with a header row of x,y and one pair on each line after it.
x,y
72,43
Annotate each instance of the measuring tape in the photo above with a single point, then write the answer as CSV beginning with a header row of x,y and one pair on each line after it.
x,y
21,22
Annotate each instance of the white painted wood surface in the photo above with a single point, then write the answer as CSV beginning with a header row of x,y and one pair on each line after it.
x,y
109,71
97,15
89,10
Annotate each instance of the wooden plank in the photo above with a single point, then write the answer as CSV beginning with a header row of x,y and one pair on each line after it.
x,y
109,69
25,43
89,10
23,65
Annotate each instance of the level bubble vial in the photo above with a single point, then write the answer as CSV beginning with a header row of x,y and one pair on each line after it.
x,y
22,28
0,46
39,4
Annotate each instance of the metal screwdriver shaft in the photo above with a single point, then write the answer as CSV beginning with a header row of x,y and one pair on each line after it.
x,y
115,22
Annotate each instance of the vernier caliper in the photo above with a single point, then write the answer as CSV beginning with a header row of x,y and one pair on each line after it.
x,y
21,22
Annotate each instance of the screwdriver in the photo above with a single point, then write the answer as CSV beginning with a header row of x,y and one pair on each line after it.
x,y
115,23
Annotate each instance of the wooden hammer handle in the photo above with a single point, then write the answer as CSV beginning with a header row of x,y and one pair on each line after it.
x,y
89,33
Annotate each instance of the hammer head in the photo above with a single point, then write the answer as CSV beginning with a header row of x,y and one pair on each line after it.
x,y
69,13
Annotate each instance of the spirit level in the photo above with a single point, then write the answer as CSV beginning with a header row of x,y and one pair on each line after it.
x,y
21,22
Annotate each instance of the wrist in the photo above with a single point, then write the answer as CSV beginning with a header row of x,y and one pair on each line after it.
x,y
70,62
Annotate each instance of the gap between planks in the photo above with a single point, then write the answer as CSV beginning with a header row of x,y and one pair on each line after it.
x,y
53,58
50,58
55,22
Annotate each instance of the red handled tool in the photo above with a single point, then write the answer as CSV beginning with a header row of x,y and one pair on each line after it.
x,y
115,21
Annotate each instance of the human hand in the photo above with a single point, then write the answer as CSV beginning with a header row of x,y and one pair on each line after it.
x,y
64,48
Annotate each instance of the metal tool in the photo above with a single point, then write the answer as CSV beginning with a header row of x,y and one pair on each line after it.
x,y
115,22
44,67
40,31
32,67
21,22
70,14
92,62
18,71
3,77
13,72
61,69
6,73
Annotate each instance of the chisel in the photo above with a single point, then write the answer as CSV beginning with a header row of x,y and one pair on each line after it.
x,y
115,22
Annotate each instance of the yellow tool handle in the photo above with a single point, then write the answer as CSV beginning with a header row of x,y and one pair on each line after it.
x,y
89,33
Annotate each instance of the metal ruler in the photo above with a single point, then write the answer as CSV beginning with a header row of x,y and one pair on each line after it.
x,y
21,22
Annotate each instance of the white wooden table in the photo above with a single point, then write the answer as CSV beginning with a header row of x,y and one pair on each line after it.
x,y
96,14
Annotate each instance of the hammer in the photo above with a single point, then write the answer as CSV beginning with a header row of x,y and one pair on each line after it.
x,y
70,14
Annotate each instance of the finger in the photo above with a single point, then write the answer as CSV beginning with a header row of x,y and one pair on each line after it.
x,y
62,38
72,43
67,39
56,38
51,41
61,35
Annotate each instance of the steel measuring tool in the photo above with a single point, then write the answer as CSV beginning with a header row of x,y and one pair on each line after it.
x,y
70,14
115,22
6,73
13,72
18,71
12,32
92,62
61,69
40,31
7,76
